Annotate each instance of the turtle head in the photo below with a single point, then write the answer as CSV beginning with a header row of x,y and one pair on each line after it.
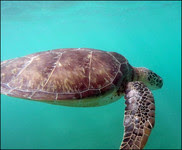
x,y
148,77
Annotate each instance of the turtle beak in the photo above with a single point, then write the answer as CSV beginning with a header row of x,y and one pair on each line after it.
x,y
160,83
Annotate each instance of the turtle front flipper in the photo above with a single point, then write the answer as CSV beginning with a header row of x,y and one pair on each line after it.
x,y
139,116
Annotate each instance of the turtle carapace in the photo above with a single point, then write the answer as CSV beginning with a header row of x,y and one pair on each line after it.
x,y
84,77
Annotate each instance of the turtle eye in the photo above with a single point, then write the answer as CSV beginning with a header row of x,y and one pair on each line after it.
x,y
154,80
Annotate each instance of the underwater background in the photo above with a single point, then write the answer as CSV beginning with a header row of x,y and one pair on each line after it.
x,y
148,34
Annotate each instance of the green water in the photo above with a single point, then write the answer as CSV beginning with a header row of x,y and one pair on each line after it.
x,y
147,33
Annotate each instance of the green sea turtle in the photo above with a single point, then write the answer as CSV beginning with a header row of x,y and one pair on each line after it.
x,y
84,77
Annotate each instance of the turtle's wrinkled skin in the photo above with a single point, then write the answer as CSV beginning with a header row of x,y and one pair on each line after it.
x,y
83,77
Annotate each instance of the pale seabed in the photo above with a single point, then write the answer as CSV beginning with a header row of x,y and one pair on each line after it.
x,y
147,33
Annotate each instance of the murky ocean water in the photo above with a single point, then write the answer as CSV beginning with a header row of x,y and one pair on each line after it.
x,y
148,34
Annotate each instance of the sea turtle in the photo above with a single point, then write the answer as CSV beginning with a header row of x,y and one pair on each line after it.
x,y
85,77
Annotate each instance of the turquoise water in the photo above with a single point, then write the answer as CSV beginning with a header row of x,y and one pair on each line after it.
x,y
147,33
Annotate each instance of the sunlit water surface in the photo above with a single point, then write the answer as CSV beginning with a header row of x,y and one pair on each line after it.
x,y
147,33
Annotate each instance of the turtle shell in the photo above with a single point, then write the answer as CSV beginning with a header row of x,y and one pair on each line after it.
x,y
63,74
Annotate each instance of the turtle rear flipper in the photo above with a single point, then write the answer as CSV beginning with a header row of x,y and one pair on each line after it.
x,y
139,116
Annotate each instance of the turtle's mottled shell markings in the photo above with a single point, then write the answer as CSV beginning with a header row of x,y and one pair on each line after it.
x,y
64,74
84,78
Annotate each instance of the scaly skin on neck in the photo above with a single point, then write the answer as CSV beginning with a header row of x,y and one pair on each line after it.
x,y
140,74
148,77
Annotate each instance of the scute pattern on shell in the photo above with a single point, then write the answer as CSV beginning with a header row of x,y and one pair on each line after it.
x,y
63,74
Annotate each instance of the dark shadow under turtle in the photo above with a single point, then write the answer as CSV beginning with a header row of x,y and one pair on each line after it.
x,y
86,77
